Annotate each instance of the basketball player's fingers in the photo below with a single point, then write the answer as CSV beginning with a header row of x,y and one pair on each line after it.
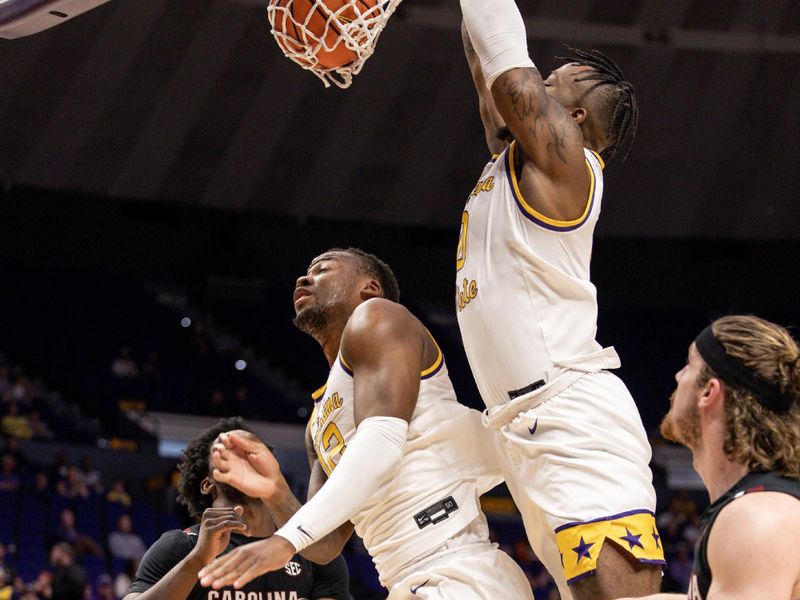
x,y
232,573
224,476
220,458
215,571
250,573
227,524
218,513
246,443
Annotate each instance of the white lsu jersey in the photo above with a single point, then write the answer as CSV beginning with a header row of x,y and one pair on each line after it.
x,y
526,307
434,492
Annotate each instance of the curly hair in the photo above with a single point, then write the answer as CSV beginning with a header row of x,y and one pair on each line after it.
x,y
194,466
755,435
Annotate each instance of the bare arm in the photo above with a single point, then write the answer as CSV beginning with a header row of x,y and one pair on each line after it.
x,y
759,530
383,345
548,136
492,121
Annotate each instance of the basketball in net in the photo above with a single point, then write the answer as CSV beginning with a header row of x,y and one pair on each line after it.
x,y
331,38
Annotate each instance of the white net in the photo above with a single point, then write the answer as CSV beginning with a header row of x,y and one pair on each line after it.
x,y
331,38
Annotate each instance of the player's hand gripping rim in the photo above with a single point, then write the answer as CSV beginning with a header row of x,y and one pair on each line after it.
x,y
245,563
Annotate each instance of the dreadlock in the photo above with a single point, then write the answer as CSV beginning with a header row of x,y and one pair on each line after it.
x,y
619,101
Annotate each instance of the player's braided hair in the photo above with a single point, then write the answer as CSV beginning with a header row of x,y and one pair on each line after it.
x,y
619,99
194,466
374,267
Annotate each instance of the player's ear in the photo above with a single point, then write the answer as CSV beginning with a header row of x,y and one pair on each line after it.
x,y
579,114
712,395
371,289
206,486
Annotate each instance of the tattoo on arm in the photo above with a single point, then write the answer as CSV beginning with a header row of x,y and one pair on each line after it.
x,y
529,101
556,145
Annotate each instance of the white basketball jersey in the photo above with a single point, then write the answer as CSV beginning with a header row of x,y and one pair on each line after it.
x,y
433,493
526,307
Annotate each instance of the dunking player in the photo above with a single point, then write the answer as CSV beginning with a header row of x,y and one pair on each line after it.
x,y
574,452
737,407
228,520
391,450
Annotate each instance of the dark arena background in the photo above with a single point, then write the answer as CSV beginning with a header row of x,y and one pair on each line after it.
x,y
167,174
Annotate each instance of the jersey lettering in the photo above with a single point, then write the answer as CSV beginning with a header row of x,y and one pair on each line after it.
x,y
241,595
461,252
484,185
292,568
466,293
331,447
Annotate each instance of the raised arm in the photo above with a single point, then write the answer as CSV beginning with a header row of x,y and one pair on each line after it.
x,y
548,134
492,121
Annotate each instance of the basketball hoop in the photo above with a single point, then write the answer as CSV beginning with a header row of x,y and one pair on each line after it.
x,y
331,38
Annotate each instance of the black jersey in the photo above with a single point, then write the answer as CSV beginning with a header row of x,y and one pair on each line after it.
x,y
301,579
752,482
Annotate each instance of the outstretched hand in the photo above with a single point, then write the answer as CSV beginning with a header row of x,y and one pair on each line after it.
x,y
245,563
241,460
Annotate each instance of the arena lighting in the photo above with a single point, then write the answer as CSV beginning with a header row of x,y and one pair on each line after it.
x,y
185,322
240,365
19,18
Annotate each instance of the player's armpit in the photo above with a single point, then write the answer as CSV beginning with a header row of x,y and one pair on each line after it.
x,y
131,596
384,346
759,530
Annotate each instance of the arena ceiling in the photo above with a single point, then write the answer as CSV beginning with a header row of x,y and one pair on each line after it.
x,y
192,102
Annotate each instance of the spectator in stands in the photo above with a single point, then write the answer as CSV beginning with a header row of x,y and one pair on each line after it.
x,y
6,570
72,486
124,579
9,478
679,566
16,424
118,494
12,447
104,589
227,519
89,476
40,589
123,366
58,470
68,532
39,428
6,587
21,391
69,578
41,486
124,543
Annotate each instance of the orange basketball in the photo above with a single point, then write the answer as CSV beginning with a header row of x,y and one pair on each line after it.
x,y
306,19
